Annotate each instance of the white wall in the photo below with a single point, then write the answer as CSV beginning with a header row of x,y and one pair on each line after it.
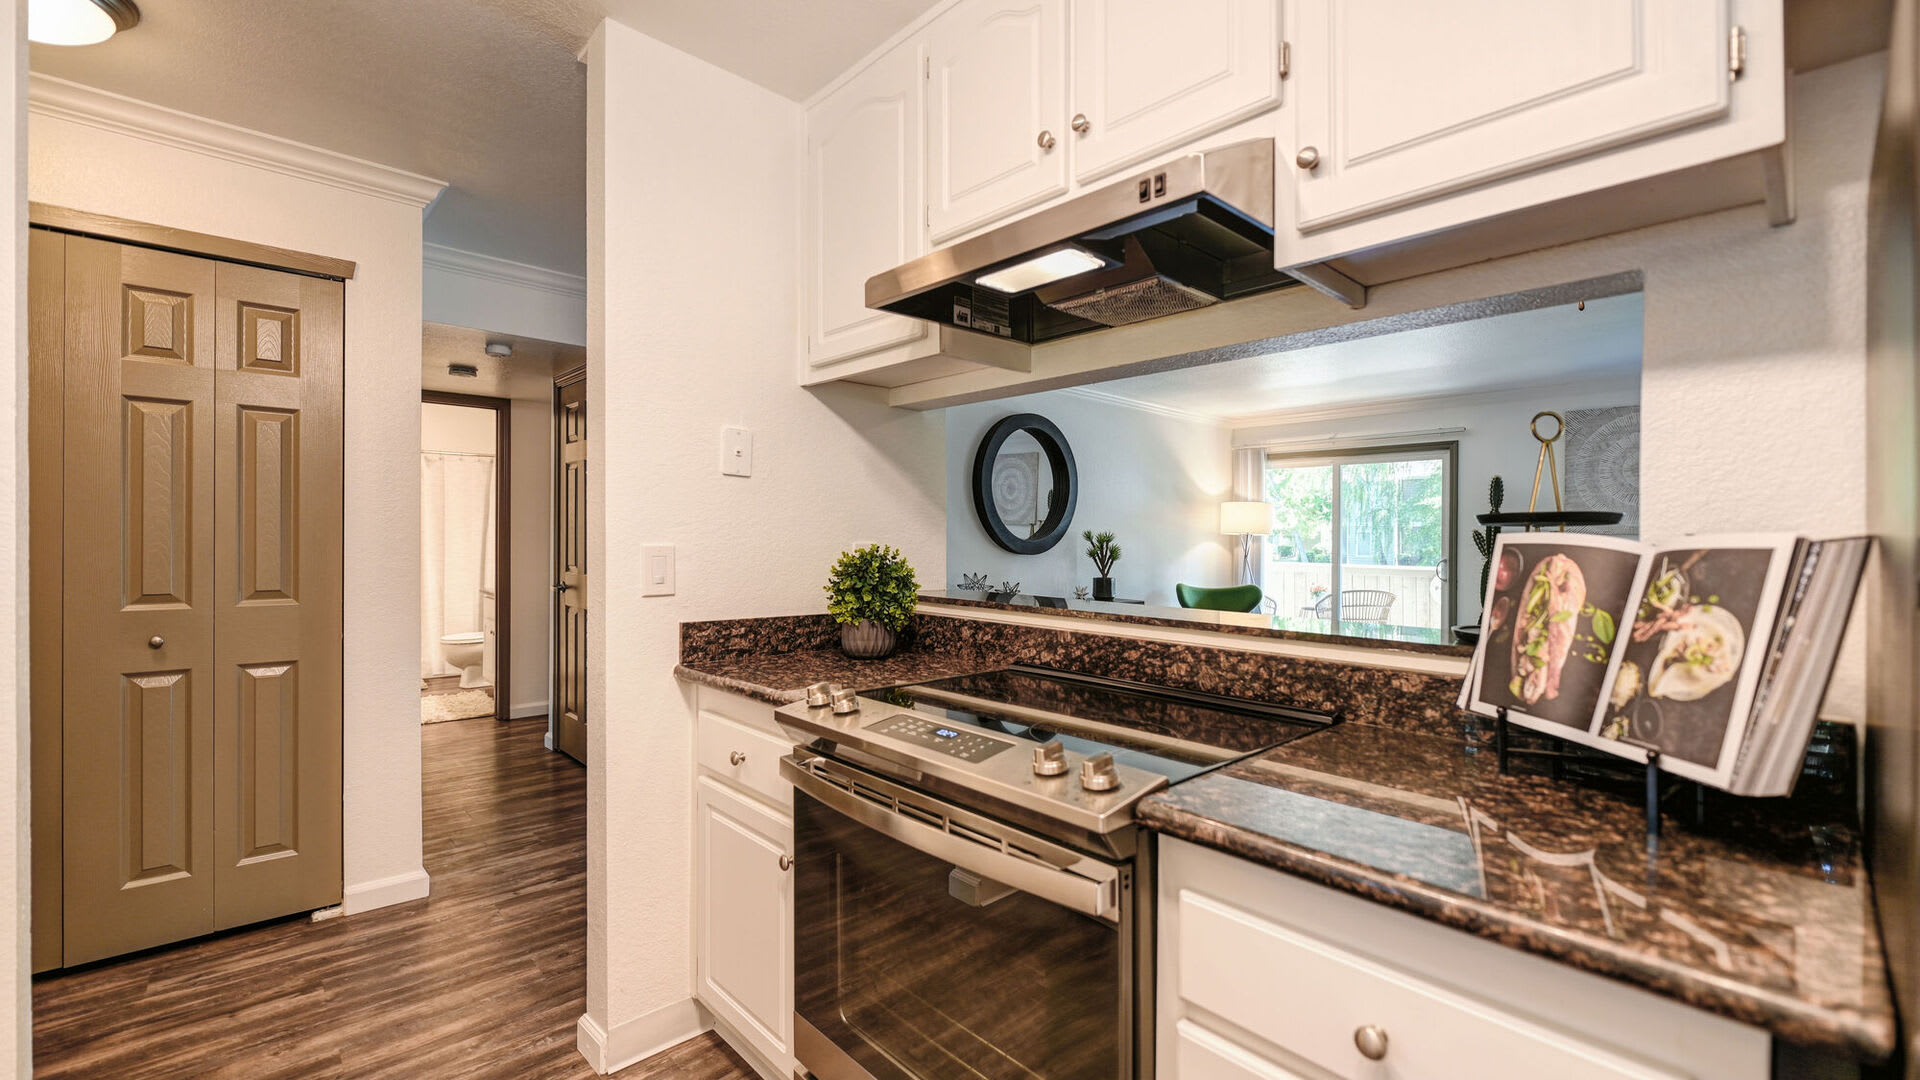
x,y
693,323
107,169
1496,442
531,534
1155,480
16,998
456,429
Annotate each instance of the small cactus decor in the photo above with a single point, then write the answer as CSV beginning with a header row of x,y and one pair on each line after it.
x,y
1483,538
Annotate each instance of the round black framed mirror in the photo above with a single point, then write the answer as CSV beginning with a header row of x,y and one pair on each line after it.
x,y
1025,483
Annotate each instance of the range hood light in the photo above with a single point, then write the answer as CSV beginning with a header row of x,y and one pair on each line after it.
x,y
1053,266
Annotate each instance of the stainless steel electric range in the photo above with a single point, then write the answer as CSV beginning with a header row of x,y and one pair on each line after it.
x,y
972,897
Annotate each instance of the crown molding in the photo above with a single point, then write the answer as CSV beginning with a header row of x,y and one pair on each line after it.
x,y
79,104
504,271
1120,400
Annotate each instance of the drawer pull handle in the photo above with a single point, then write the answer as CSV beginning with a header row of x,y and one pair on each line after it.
x,y
786,862
1308,158
736,758
1371,1040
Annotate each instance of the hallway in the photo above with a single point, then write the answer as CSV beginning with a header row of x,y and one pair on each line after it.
x,y
483,980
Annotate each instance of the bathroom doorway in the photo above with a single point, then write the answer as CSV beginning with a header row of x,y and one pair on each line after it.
x,y
465,443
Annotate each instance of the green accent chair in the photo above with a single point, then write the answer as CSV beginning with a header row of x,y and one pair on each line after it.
x,y
1227,598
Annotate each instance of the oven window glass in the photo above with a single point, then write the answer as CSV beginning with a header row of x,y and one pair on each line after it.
x,y
912,983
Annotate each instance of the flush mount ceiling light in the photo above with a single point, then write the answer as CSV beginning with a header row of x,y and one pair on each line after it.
x,y
463,371
501,349
79,22
1053,266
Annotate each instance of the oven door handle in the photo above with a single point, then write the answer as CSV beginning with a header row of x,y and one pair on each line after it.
x,y
1099,899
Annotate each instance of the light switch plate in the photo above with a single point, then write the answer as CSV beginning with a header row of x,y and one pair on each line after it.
x,y
736,452
656,570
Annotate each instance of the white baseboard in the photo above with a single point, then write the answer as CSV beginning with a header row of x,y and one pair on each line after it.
x,y
385,892
525,709
547,739
639,1038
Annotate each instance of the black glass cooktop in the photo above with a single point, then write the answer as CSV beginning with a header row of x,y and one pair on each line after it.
x,y
1176,734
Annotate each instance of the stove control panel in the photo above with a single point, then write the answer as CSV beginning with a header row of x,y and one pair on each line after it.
x,y
951,741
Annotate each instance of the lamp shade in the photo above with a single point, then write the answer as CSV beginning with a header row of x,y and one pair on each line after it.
x,y
1246,518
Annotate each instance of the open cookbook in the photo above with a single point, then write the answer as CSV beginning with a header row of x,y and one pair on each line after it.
x,y
1713,651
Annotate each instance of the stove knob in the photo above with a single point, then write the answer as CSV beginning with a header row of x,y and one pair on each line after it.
x,y
845,701
1098,774
1049,759
820,693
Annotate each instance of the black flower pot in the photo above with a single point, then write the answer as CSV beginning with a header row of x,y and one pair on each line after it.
x,y
867,640
1103,588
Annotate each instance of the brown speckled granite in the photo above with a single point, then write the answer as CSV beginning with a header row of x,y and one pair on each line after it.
x,y
1762,914
782,677
1363,635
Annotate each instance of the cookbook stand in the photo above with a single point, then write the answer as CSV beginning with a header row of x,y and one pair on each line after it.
x,y
1506,751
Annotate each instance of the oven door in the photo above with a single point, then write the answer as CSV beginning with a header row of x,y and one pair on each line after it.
x,y
932,943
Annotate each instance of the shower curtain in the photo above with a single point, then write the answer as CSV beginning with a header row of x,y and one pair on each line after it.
x,y
456,548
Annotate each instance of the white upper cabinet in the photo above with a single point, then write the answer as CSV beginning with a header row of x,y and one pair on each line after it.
x,y
865,204
997,134
1396,103
1149,77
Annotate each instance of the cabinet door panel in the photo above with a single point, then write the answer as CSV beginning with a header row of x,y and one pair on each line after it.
x,y
745,898
866,201
1149,83
278,594
996,82
138,619
1404,102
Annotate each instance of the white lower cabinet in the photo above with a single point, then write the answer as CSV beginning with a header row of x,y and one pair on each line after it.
x,y
743,897
1263,976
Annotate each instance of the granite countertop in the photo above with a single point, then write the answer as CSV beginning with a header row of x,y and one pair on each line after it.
x,y
1763,913
1291,626
780,677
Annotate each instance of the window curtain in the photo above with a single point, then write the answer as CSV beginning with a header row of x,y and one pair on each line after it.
x,y
1250,485
456,549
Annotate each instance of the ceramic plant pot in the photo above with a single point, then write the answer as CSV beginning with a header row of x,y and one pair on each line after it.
x,y
1103,588
867,640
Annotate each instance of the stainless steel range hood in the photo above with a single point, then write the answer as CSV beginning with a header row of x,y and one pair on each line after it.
x,y
1192,232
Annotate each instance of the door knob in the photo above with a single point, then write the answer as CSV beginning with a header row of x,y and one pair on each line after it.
x,y
786,862
561,587
156,641
1308,158
1371,1041
1045,140
736,758
1081,124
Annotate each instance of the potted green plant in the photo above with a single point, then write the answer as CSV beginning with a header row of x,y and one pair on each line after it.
x,y
1104,553
871,593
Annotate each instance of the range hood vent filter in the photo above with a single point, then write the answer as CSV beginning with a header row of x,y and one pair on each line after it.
x,y
1135,301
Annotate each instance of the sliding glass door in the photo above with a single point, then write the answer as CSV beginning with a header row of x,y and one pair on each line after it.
x,y
1363,535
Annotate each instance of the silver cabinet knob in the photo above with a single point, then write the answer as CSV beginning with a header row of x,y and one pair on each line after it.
x,y
844,701
1081,124
736,758
156,641
786,862
820,693
1098,774
1308,158
1049,759
1045,140
1371,1040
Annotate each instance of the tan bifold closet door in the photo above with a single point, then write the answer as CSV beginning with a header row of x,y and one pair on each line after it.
x,y
138,678
277,594
570,569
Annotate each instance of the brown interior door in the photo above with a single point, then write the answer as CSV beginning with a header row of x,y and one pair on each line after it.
x,y
138,677
46,350
570,568
277,594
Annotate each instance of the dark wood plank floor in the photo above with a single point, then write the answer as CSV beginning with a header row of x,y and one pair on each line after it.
x,y
483,980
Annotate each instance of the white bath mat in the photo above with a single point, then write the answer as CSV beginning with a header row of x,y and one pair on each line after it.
x,y
459,705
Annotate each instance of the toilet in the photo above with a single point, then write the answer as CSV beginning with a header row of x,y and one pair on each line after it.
x,y
466,652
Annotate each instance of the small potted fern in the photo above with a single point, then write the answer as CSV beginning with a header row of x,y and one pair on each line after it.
x,y
1104,553
871,593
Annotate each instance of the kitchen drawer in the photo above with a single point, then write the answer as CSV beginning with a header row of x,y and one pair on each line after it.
x,y
757,769
1201,1055
1309,998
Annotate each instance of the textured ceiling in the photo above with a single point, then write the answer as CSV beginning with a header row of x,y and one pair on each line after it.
x,y
527,374
1529,348
484,94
